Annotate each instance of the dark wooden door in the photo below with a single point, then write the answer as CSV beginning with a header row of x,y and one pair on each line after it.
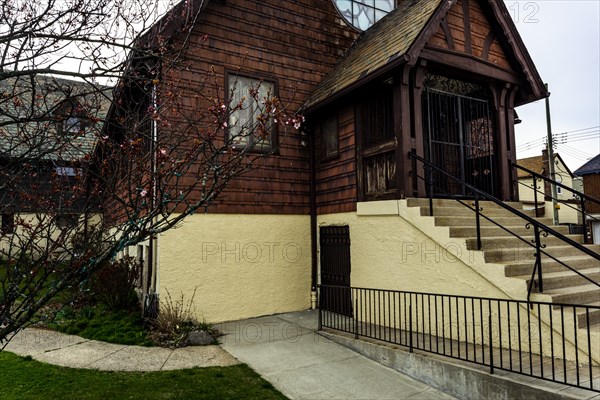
x,y
335,269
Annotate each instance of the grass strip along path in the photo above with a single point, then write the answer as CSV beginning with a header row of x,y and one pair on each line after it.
x,y
23,378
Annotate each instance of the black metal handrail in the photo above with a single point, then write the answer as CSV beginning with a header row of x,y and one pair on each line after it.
x,y
540,229
547,341
582,197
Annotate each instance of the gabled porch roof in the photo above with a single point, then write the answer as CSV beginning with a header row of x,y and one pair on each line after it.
x,y
399,38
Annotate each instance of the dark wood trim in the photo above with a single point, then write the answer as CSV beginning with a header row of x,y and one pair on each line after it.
x,y
513,39
381,72
360,187
511,146
489,39
430,30
312,172
403,132
380,148
418,142
501,147
469,63
448,34
467,24
401,172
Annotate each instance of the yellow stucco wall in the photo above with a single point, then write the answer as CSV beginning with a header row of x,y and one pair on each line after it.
x,y
241,266
389,252
11,245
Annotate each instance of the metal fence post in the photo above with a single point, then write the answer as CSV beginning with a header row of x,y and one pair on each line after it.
x,y
478,222
491,344
356,318
320,303
410,337
538,258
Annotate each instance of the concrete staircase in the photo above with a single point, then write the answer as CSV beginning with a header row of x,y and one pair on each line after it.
x,y
561,285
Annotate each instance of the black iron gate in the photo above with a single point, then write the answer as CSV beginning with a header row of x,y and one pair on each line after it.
x,y
335,269
459,138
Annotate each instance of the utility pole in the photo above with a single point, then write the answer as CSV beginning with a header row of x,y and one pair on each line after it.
x,y
551,160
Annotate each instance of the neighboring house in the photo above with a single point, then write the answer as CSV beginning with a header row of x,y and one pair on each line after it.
x,y
48,130
568,206
435,77
590,173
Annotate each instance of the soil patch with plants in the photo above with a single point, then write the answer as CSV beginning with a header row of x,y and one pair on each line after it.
x,y
108,309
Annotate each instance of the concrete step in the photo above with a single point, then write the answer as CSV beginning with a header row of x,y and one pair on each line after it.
x,y
467,211
495,231
565,278
424,202
522,253
510,242
591,315
576,262
584,294
459,220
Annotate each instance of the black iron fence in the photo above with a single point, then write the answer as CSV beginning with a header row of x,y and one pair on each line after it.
x,y
554,342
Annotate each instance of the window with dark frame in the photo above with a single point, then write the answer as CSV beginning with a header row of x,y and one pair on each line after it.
x,y
72,125
66,221
8,224
70,118
329,131
376,115
247,99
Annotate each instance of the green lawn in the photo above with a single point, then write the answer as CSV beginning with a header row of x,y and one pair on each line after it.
x,y
120,327
23,378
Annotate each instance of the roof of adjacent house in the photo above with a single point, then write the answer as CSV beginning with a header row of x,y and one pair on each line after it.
x,y
33,108
536,164
386,41
590,167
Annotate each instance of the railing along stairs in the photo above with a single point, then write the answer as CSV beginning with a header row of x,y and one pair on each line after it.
x,y
582,199
540,231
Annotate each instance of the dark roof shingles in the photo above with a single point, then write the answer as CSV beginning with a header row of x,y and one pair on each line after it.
x,y
387,40
590,167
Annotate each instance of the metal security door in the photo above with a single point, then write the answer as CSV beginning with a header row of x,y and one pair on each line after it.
x,y
459,140
335,269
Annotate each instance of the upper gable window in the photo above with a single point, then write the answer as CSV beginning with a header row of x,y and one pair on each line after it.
x,y
247,100
362,14
70,117
72,125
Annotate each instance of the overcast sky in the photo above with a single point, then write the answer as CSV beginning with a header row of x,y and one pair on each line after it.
x,y
563,38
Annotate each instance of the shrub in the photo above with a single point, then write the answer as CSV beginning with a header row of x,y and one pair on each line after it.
x,y
176,319
115,284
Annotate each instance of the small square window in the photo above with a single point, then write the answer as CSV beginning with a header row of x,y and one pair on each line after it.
x,y
8,224
66,171
249,95
66,221
72,125
329,129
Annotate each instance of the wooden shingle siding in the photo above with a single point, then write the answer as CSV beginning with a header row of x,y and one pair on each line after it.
x,y
336,178
293,44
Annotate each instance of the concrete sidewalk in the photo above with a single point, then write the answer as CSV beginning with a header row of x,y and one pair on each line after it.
x,y
73,351
287,352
